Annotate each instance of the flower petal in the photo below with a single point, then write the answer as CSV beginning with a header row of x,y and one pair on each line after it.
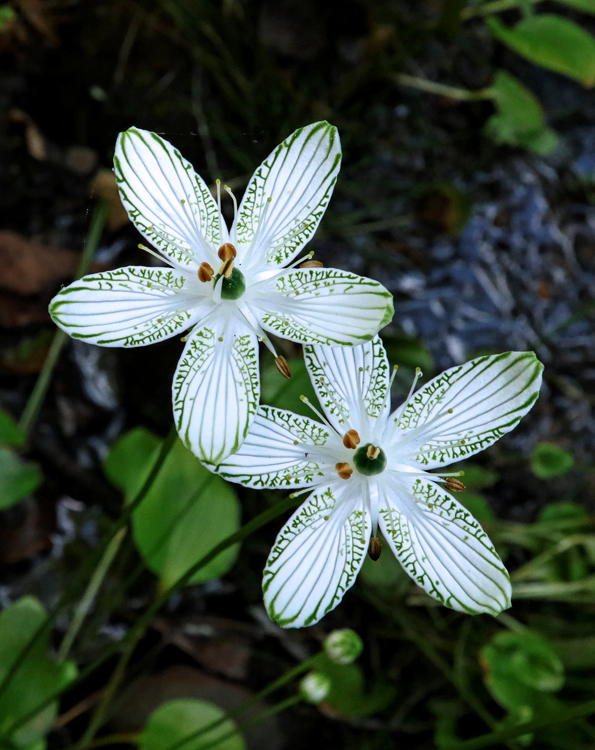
x,y
351,382
323,306
216,389
167,201
132,306
276,452
466,409
298,177
316,556
442,547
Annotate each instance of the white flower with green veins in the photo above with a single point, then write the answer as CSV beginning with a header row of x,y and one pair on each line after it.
x,y
370,470
229,287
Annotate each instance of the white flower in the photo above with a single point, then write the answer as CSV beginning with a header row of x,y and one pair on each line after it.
x,y
228,286
370,468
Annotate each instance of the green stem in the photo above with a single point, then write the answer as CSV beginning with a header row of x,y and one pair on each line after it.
x,y
487,9
43,381
283,680
136,632
441,89
88,597
122,738
503,735
84,575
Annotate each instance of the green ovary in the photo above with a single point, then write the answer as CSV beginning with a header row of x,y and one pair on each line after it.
x,y
366,465
234,286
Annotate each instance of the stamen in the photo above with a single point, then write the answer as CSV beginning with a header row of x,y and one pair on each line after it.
x,y
156,255
301,492
235,203
227,251
351,439
217,290
312,264
454,485
344,470
417,376
375,548
205,272
283,367
218,183
315,410
226,268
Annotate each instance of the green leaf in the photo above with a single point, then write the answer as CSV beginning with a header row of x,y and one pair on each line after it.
x,y
549,460
563,511
9,432
175,720
521,665
553,42
519,120
17,479
7,17
186,513
587,6
37,679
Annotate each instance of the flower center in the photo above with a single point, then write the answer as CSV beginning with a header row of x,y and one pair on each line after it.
x,y
234,286
369,460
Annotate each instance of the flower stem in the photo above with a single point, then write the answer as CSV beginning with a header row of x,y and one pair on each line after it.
x,y
494,7
88,597
441,89
136,632
43,381
83,575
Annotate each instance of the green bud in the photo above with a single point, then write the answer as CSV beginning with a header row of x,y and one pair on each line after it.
x,y
314,687
343,646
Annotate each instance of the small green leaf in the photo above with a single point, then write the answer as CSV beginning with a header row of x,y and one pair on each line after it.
x,y
519,120
563,511
9,432
37,679
553,42
549,460
176,720
17,479
186,513
7,17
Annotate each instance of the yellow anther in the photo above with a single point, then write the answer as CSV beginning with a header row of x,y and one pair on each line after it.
x,y
226,268
205,272
283,367
351,439
454,485
227,251
344,470
311,264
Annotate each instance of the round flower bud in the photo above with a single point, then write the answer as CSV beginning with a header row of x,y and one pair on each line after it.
x,y
314,687
343,646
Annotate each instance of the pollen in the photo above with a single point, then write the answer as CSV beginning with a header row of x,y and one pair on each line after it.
x,y
205,272
351,439
344,470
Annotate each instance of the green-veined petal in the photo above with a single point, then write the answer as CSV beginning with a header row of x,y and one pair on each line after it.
x,y
317,556
276,452
466,409
129,307
167,201
216,389
351,382
442,547
299,177
323,306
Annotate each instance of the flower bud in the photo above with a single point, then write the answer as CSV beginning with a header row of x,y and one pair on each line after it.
x,y
314,687
343,646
